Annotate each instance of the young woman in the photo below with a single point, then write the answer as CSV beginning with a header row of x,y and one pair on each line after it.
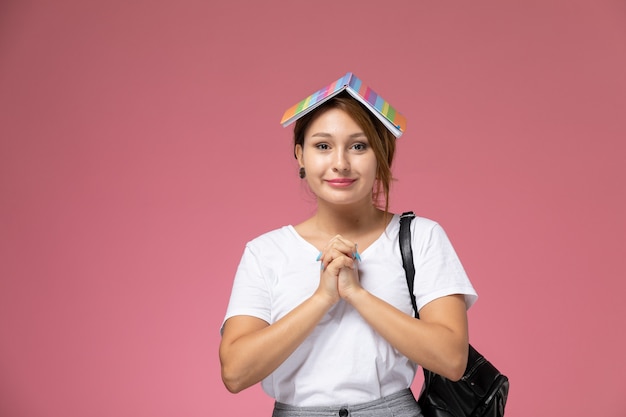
x,y
320,312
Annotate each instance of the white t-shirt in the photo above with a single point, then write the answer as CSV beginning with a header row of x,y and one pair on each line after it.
x,y
343,361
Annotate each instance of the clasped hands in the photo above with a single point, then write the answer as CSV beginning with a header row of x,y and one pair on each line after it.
x,y
339,274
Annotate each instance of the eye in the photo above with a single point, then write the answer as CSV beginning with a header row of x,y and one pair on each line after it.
x,y
322,146
359,146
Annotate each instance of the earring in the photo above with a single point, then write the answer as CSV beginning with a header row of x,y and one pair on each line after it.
x,y
302,173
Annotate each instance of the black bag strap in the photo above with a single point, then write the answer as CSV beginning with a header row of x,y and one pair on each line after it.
x,y
407,253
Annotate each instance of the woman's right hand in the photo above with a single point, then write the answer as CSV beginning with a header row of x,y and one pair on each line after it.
x,y
327,288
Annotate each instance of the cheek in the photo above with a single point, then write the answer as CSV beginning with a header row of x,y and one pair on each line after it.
x,y
371,166
313,163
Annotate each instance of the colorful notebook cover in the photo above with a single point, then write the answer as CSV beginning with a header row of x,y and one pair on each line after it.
x,y
393,120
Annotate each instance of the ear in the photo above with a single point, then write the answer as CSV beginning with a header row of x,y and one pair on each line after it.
x,y
298,153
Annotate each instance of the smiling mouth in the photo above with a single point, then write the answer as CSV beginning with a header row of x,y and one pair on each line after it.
x,y
341,182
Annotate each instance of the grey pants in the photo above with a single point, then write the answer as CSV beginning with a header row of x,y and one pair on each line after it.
x,y
400,404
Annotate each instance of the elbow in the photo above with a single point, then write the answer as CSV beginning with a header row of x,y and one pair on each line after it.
x,y
452,373
233,381
232,385
232,376
455,374
457,367
450,368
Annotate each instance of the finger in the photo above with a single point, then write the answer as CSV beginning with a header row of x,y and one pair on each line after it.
x,y
333,254
348,247
343,245
337,246
339,263
340,240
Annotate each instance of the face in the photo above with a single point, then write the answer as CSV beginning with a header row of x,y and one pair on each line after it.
x,y
340,165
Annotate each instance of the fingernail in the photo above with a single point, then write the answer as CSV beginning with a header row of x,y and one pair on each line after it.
x,y
318,257
356,253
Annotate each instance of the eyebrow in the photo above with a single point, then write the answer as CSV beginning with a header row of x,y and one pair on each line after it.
x,y
328,135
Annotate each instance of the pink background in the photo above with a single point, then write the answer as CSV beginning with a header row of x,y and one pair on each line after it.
x,y
140,149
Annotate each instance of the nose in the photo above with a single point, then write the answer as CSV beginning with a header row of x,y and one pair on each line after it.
x,y
341,161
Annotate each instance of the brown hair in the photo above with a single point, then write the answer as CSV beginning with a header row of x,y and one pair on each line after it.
x,y
382,141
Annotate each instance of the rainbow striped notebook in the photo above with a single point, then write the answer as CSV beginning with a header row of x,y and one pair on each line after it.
x,y
393,120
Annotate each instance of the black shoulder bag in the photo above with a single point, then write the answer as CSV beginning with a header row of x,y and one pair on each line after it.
x,y
482,390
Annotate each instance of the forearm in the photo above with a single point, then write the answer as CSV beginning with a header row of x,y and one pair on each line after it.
x,y
251,357
436,346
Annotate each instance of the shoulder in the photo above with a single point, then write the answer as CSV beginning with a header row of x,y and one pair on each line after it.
x,y
273,237
425,223
283,241
419,225
425,228
426,232
263,250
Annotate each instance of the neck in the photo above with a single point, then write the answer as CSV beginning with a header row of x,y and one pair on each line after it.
x,y
347,220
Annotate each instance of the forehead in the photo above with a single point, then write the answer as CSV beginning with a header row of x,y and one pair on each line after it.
x,y
333,121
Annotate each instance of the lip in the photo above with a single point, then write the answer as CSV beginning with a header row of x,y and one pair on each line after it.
x,y
341,182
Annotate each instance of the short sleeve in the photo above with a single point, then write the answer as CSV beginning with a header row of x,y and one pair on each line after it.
x,y
250,294
438,270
